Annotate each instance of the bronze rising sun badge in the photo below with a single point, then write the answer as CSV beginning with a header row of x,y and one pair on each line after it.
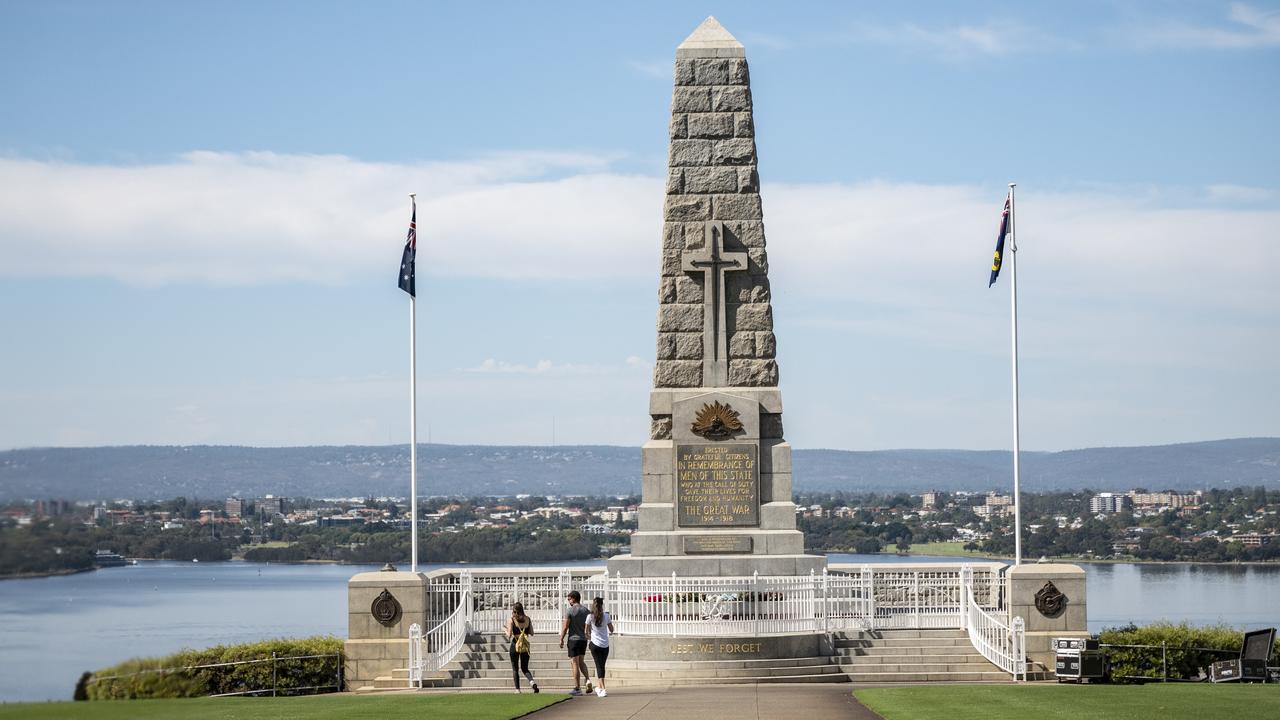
x,y
717,421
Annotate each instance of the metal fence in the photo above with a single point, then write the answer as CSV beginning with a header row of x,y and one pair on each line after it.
x,y
1151,659
844,597
282,667
1001,640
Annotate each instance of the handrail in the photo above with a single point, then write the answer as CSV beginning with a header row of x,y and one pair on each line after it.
x,y
433,650
1004,644
866,597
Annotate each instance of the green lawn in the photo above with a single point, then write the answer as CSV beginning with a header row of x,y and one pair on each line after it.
x,y
945,549
1050,702
314,707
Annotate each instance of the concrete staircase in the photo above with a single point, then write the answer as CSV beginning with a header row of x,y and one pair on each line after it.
x,y
886,656
903,656
483,665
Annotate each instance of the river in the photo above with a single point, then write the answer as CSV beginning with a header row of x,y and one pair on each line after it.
x,y
52,629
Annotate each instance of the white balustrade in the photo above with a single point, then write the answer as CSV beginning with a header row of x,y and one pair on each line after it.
x,y
845,597
999,639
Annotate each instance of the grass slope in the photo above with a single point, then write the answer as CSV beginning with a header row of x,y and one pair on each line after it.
x,y
315,707
943,549
1051,702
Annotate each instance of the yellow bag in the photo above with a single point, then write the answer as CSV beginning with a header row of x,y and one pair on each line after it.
x,y
522,642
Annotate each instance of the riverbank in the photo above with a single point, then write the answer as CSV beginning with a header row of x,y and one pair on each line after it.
x,y
53,629
47,573
956,549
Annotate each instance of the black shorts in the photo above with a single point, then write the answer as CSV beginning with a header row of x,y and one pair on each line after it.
x,y
577,648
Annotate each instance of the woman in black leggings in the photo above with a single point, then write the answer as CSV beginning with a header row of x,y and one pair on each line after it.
x,y
601,624
519,629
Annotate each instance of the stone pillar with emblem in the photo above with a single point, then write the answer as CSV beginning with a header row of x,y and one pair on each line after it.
x,y
717,469
380,608
1051,600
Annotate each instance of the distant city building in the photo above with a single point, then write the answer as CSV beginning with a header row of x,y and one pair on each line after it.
x,y
1253,540
929,500
1165,499
995,500
990,511
1109,503
271,505
235,507
340,521
52,508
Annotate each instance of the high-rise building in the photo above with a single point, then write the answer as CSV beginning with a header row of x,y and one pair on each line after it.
x,y
271,505
235,507
1108,503
929,500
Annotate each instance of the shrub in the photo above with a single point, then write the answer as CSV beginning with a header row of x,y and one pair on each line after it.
x,y
138,678
1185,654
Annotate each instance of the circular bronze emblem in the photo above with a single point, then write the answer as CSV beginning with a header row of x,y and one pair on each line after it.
x,y
386,609
1050,601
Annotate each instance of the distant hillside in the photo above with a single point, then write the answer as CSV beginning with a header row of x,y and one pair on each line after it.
x,y
216,471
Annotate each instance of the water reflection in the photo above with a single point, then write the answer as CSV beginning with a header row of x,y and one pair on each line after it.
x,y
1242,596
51,629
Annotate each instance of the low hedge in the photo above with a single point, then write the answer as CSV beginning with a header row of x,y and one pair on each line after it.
x,y
1185,654
174,676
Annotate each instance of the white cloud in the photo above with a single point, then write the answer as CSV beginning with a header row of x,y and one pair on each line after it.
x,y
1117,285
1249,28
232,218
658,69
1240,194
993,38
548,368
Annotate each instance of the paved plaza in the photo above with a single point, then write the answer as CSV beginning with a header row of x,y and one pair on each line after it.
x,y
811,702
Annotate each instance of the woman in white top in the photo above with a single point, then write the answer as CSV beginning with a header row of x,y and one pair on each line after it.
x,y
600,624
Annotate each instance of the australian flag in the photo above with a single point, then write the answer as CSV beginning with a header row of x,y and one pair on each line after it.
x,y
410,252
1004,229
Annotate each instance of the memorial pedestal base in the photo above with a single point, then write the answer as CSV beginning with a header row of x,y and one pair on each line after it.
x,y
716,565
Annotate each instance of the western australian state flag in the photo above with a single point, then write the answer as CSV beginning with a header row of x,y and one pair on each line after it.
x,y
410,252
999,256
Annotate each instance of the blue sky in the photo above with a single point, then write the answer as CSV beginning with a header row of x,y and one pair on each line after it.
x,y
204,205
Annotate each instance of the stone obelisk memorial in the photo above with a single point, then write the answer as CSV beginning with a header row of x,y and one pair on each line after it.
x,y
717,468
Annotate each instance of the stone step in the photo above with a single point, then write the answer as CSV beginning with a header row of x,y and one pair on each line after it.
x,y
901,659
874,650
992,675
921,668
905,642
686,664
621,682
646,673
895,634
503,661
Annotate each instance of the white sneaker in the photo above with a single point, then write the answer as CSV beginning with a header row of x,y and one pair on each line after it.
x,y
600,692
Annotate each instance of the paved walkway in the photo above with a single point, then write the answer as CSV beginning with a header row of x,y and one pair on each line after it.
x,y
741,702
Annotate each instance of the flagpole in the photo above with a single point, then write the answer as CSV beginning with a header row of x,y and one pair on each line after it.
x,y
413,426
1017,464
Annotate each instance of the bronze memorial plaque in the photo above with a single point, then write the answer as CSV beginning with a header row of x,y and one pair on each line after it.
x,y
717,544
717,485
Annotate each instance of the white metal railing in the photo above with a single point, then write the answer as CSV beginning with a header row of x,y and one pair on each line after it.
x,y
999,639
541,593
863,597
723,606
433,650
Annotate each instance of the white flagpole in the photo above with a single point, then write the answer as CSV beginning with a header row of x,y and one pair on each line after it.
x,y
1017,464
413,420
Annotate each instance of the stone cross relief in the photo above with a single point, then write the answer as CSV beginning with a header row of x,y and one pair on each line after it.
x,y
713,262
